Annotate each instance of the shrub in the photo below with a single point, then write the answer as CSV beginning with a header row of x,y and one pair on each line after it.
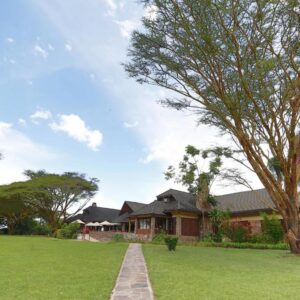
x,y
42,229
272,228
261,238
212,237
68,231
25,226
237,232
171,242
280,246
117,237
159,238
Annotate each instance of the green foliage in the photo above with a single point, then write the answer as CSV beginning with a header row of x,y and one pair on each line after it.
x,y
261,238
171,242
159,238
212,237
118,237
26,226
236,232
272,228
47,195
42,229
68,231
218,218
246,245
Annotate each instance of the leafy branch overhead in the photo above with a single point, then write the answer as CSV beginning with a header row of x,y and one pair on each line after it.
x,y
235,64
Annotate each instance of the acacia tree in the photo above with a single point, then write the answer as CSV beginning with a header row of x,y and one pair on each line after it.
x,y
13,210
236,65
51,196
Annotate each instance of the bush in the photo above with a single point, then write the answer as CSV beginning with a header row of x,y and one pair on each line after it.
x,y
272,228
261,238
280,246
42,229
237,233
117,237
212,237
25,226
159,238
68,231
171,242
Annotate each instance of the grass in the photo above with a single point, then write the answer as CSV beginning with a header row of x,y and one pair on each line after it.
x,y
44,268
218,273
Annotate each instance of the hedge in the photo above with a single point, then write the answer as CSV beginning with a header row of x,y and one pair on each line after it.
x,y
279,246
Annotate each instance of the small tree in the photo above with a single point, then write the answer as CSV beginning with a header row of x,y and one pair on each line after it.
x,y
199,182
218,218
271,227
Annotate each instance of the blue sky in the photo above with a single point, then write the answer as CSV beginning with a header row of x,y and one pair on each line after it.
x,y
67,104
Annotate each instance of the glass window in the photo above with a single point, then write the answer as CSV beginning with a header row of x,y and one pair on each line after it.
x,y
144,223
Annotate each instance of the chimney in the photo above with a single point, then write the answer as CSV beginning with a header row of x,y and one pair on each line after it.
x,y
94,204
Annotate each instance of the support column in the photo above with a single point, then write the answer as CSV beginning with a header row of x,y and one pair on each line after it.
x,y
135,225
129,225
152,227
178,226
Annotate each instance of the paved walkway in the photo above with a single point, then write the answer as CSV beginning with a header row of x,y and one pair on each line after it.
x,y
133,281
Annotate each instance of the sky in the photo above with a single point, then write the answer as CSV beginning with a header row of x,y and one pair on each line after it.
x,y
68,105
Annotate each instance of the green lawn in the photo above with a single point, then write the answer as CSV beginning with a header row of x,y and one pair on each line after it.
x,y
44,268
217,273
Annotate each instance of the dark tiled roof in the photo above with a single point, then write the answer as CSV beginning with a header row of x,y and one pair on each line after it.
x,y
246,202
175,200
135,205
98,214
237,203
122,218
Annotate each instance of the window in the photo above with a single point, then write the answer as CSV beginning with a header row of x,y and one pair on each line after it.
x,y
144,223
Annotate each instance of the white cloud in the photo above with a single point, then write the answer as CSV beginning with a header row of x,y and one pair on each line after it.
x,y
20,153
130,125
112,7
126,27
22,122
68,47
50,47
39,51
76,128
10,40
40,115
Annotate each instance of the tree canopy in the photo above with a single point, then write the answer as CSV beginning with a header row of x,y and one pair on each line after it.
x,y
50,196
235,64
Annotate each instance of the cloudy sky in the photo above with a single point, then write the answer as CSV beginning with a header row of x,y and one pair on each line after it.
x,y
67,104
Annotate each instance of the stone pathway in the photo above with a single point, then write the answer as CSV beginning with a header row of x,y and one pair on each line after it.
x,y
133,281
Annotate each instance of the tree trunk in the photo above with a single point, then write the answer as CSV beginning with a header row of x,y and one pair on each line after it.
x,y
292,232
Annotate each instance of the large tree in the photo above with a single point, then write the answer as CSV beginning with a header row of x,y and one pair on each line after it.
x,y
51,196
236,64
